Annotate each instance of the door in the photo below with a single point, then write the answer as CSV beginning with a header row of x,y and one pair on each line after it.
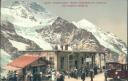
x,y
76,64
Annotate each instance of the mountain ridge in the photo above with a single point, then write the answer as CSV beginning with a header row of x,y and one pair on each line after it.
x,y
32,24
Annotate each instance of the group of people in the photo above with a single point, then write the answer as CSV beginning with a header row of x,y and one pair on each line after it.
x,y
11,76
82,73
53,75
49,75
76,73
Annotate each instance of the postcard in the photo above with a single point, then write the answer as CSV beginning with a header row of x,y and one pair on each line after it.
x,y
64,40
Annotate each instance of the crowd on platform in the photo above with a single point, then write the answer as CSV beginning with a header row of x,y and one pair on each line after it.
x,y
53,75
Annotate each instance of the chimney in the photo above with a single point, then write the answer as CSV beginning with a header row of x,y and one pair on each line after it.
x,y
66,47
56,47
61,47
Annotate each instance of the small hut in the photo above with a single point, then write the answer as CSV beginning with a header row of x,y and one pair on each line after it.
x,y
28,65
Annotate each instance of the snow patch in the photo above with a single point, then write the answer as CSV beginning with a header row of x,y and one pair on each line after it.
x,y
31,34
20,46
5,58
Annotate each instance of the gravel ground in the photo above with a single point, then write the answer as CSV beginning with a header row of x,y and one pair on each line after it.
x,y
99,77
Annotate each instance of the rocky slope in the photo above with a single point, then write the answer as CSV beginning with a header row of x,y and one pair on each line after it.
x,y
9,37
62,32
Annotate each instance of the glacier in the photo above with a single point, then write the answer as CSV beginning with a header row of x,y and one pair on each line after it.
x,y
105,39
27,20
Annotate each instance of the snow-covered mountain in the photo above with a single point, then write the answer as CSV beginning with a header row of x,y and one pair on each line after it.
x,y
108,40
63,32
26,25
27,16
11,42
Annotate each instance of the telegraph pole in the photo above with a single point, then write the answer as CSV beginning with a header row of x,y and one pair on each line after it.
x,y
127,56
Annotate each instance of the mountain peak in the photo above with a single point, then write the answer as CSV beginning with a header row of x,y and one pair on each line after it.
x,y
60,21
85,22
26,13
29,5
108,40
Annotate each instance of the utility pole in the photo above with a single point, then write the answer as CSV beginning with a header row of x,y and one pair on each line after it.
x,y
127,56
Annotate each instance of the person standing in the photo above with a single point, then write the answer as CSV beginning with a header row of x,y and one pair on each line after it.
x,y
95,69
58,76
15,76
91,74
4,79
31,77
68,73
61,77
83,75
53,76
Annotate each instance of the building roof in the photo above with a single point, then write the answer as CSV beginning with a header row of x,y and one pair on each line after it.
x,y
12,68
79,51
23,61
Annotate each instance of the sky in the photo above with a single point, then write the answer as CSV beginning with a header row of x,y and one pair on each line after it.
x,y
110,16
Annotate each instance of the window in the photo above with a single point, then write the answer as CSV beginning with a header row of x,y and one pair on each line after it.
x,y
62,62
34,70
82,60
70,64
51,59
70,57
43,58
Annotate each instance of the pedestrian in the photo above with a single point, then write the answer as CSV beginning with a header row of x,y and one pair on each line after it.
x,y
68,73
91,74
58,76
83,75
9,76
15,76
53,76
95,69
61,77
87,72
76,74
3,79
31,77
